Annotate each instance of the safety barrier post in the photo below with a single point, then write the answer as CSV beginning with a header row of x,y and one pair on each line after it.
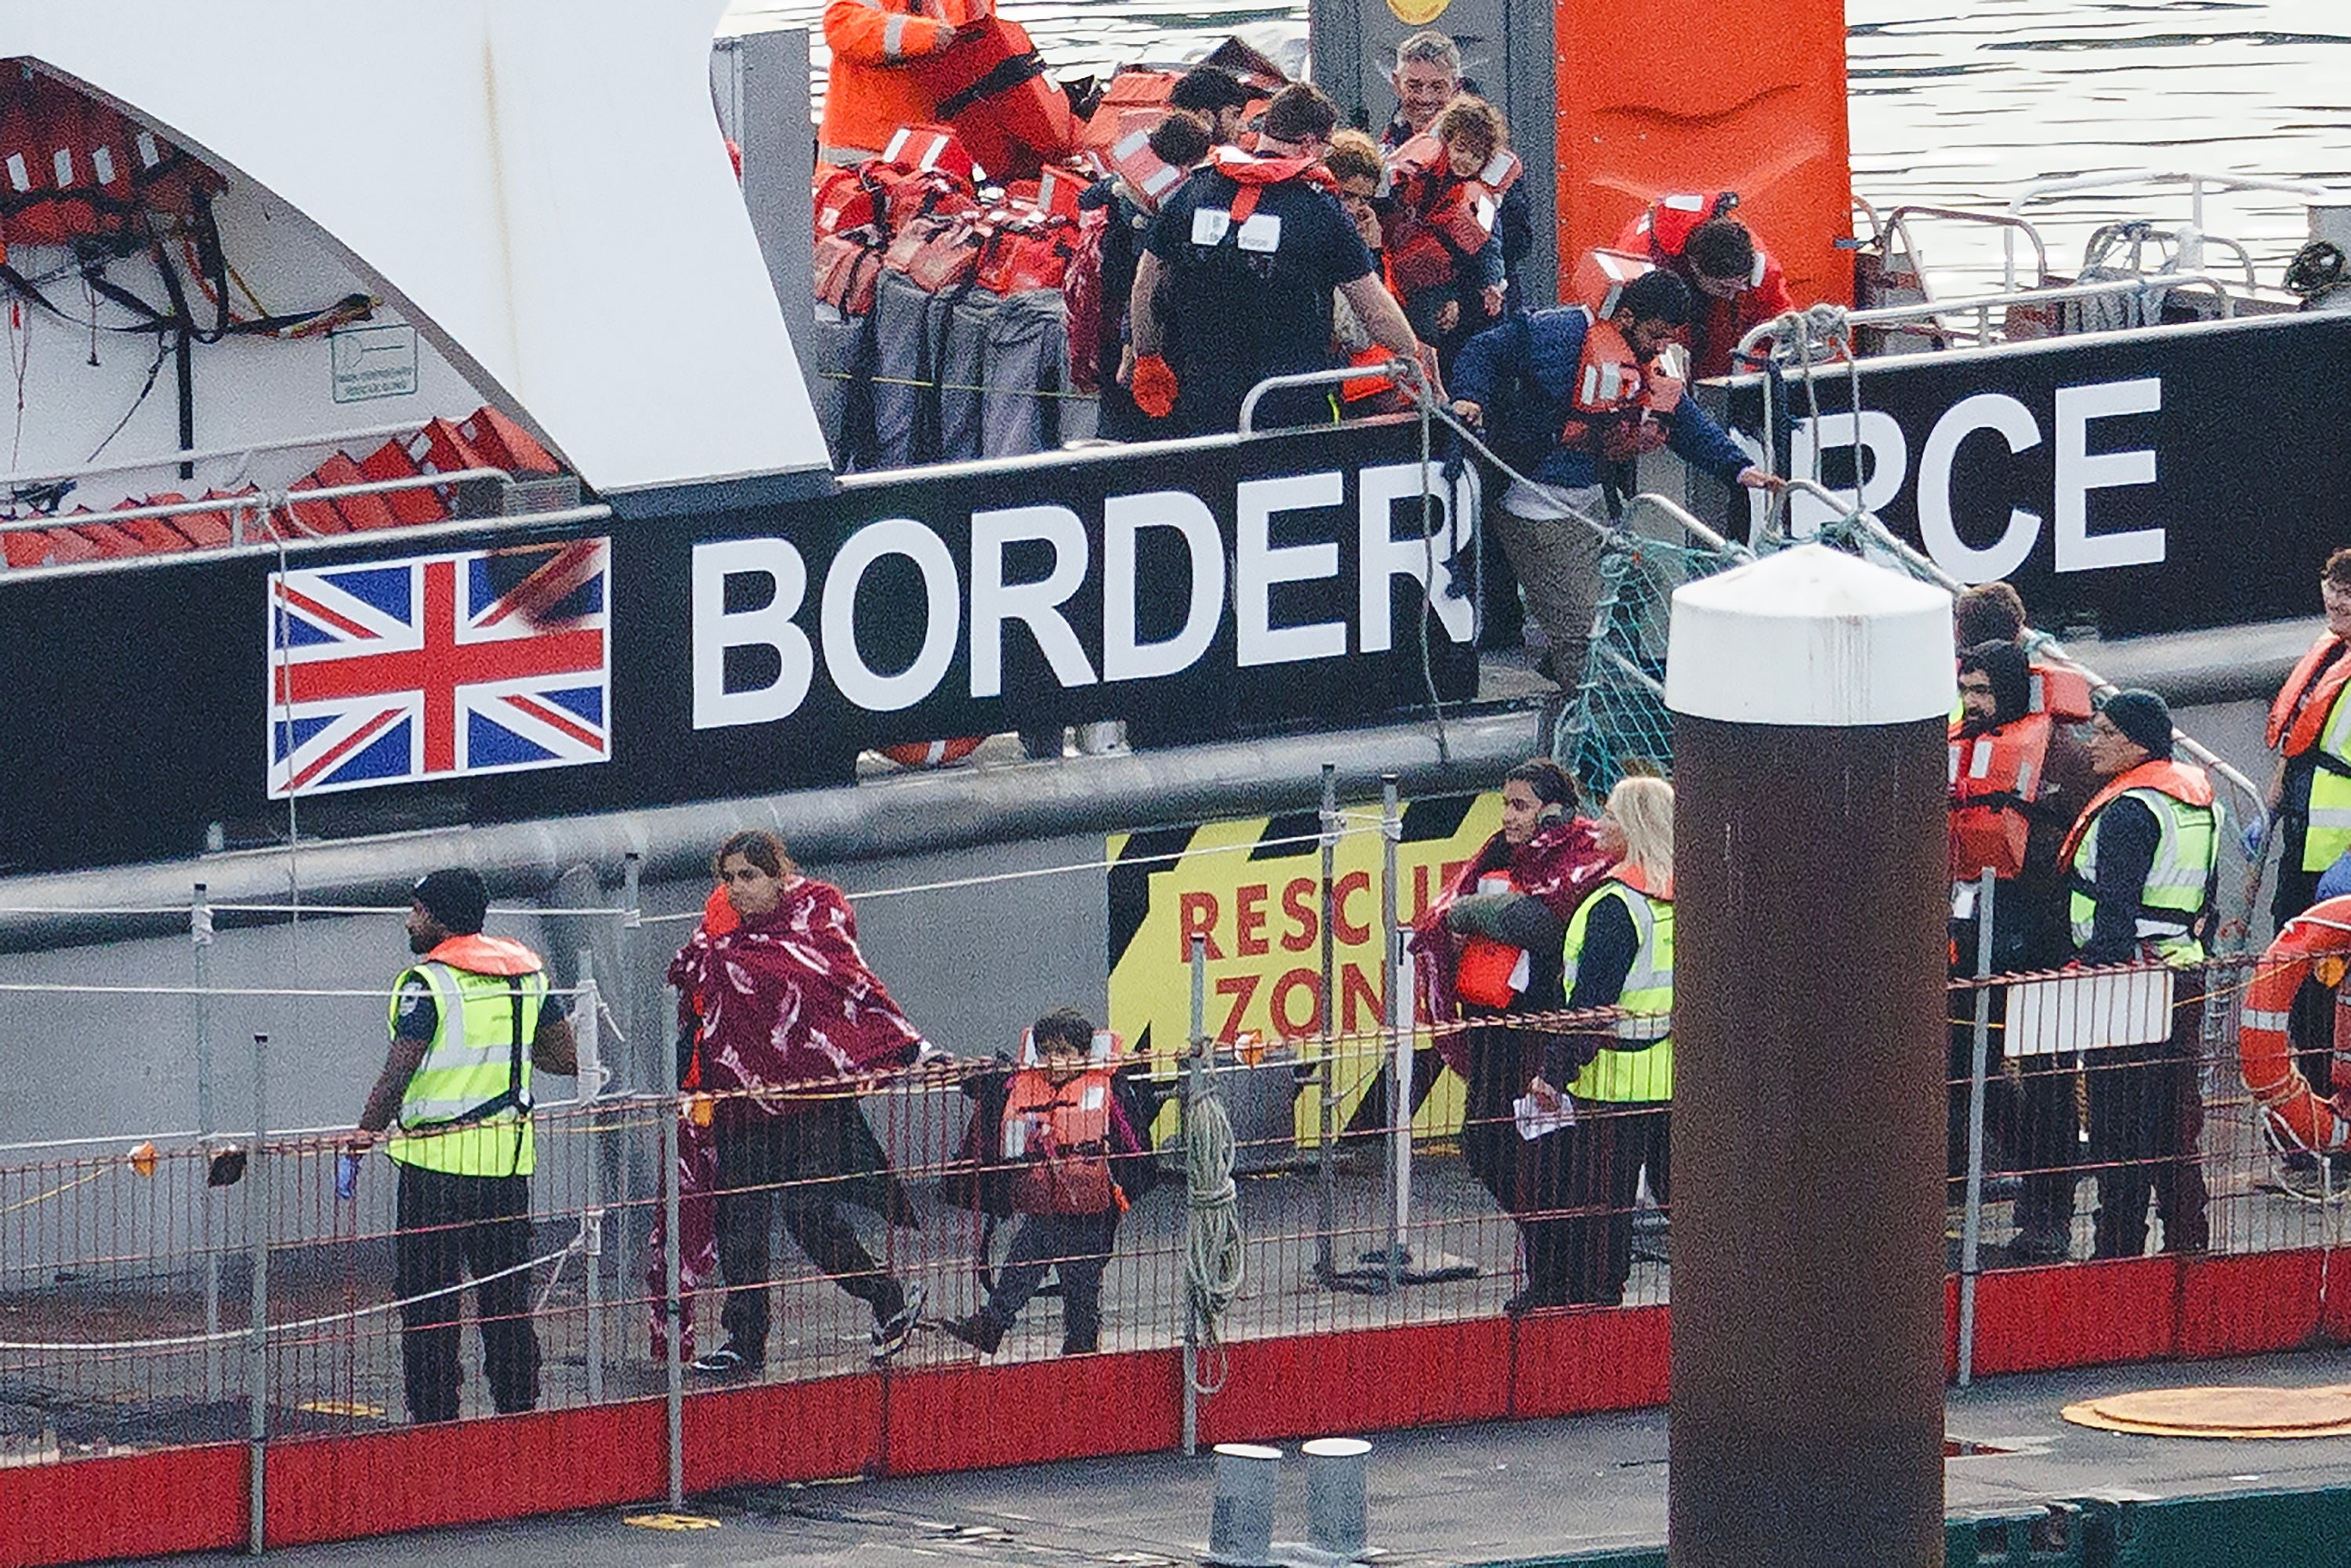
x,y
586,1010
1195,1049
200,938
633,990
1971,1230
1400,1069
1400,1059
1326,1145
257,1334
673,1351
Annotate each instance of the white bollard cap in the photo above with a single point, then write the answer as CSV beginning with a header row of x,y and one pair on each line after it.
x,y
1810,636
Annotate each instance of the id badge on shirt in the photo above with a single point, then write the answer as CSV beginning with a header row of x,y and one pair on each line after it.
x,y
1963,901
1261,232
1210,225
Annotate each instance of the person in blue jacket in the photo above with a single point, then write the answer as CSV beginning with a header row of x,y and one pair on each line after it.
x,y
1577,398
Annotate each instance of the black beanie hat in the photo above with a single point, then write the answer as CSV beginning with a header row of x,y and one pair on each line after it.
x,y
2143,716
456,898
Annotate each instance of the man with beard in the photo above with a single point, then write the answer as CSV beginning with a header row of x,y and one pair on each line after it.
x,y
458,1079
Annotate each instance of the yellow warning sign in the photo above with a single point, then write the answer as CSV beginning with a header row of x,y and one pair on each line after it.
x,y
1252,891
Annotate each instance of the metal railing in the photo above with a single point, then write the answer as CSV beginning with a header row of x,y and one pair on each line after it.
x,y
1780,328
2038,644
2192,237
340,438
183,1292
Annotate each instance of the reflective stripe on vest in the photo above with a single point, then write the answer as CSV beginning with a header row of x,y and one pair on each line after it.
x,y
2185,851
479,1052
1641,1068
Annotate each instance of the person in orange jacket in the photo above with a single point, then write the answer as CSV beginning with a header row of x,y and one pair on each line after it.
x,y
871,93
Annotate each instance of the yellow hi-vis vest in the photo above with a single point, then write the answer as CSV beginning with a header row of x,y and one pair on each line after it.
x,y
467,1107
2328,833
1639,1068
2172,902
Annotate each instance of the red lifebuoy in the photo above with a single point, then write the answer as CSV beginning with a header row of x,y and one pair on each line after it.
x,y
933,753
2320,938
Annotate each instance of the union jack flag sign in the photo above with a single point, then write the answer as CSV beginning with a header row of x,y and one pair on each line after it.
x,y
439,666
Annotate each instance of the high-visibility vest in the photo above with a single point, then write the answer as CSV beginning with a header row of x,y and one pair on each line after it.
x,y
2310,719
1994,777
466,1110
2187,850
1639,1068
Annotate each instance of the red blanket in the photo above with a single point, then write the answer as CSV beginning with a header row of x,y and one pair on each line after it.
x,y
786,997
1561,866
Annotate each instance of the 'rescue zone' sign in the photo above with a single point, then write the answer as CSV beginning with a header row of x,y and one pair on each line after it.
x,y
1252,891
1197,591
2149,482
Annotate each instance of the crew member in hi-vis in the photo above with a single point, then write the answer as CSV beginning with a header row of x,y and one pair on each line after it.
x,y
2139,865
469,1024
1619,953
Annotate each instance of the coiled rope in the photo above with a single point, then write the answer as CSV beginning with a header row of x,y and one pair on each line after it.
x,y
1213,1266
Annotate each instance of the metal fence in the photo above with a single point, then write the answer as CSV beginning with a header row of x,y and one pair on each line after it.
x,y
187,1291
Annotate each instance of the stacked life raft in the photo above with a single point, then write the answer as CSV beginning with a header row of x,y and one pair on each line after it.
x,y
484,439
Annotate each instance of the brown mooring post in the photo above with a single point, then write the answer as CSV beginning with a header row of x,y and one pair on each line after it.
x,y
1809,691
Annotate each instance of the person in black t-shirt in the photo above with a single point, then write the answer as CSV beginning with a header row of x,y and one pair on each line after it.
x,y
1234,282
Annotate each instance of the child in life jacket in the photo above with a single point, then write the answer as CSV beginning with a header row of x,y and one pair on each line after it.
x,y
1064,1133
1444,258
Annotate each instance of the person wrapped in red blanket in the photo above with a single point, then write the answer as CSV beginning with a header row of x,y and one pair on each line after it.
x,y
787,1021
1490,945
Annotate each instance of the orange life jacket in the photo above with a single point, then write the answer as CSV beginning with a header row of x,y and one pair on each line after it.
x,y
1490,973
1060,1133
484,955
1445,217
1619,404
929,148
2299,715
1994,777
1666,227
848,269
1135,98
1031,251
2061,692
1148,176
1602,276
1253,173
936,251
990,86
2188,785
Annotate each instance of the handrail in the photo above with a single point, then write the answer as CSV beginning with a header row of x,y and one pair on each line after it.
x,y
2038,643
1897,225
1397,369
1983,303
1680,517
2196,183
258,501
450,527
206,454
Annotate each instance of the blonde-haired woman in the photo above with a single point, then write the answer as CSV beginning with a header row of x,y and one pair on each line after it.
x,y
1619,953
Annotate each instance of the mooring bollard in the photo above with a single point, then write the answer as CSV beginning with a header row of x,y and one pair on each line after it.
x,y
1335,1509
1240,1528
